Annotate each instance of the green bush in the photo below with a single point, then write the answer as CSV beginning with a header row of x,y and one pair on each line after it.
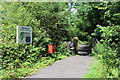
x,y
62,52
26,69
20,59
108,34
14,54
108,57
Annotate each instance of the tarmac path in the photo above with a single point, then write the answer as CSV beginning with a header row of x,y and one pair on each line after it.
x,y
70,67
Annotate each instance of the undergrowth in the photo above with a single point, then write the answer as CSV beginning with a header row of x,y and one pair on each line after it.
x,y
29,68
99,70
106,62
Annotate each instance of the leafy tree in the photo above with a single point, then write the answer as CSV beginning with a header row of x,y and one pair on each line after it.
x,y
52,18
14,54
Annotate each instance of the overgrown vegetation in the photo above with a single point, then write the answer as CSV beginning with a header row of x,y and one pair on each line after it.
x,y
99,24
106,50
58,22
106,62
18,57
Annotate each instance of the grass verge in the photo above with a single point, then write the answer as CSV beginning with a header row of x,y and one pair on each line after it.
x,y
99,70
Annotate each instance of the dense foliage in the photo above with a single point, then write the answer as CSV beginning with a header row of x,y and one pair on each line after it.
x,y
108,39
12,52
52,18
100,23
46,21
57,22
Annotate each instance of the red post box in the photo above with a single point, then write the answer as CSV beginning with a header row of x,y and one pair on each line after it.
x,y
51,48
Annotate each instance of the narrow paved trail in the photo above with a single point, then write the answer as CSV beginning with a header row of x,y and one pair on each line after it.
x,y
70,67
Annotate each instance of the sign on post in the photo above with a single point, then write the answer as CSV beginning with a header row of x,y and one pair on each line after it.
x,y
24,34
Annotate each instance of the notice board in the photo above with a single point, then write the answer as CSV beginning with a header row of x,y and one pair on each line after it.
x,y
24,34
